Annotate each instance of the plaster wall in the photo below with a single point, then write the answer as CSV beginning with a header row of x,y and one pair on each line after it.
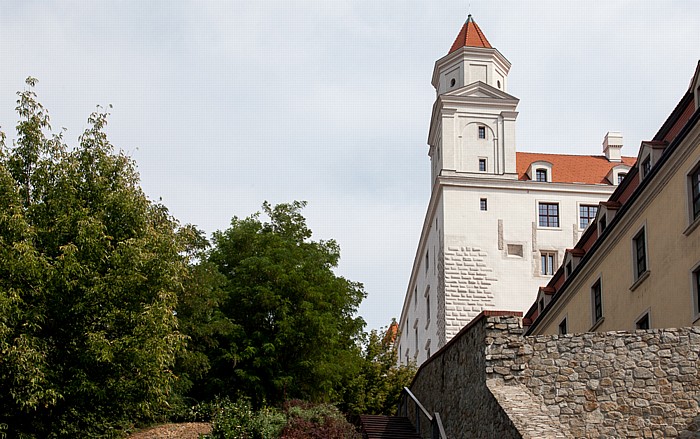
x,y
666,293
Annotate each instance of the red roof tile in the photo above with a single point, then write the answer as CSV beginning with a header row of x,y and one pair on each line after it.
x,y
587,169
470,36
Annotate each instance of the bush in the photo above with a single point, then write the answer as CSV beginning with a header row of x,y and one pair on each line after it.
x,y
320,421
297,420
237,420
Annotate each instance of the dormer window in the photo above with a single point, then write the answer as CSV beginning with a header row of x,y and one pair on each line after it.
x,y
617,174
482,132
646,167
540,171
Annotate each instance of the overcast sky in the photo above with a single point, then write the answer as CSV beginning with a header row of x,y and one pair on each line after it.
x,y
226,104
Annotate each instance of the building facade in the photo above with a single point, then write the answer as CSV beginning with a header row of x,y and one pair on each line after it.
x,y
638,267
498,221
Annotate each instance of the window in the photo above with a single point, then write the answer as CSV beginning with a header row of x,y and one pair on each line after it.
x,y
541,175
640,254
483,204
549,214
695,192
452,82
548,262
482,132
643,322
569,268
416,332
427,260
603,223
415,297
597,299
427,307
646,167
498,83
621,176
586,215
482,165
562,327
541,304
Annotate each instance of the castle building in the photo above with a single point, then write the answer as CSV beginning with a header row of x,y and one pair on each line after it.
x,y
498,221
638,265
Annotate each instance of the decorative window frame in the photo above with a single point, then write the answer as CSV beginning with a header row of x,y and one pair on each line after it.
x,y
540,165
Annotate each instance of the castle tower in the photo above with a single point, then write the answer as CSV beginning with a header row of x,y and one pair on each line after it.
x,y
498,222
472,129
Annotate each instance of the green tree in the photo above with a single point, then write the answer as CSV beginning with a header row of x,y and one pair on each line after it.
x,y
89,270
297,330
376,388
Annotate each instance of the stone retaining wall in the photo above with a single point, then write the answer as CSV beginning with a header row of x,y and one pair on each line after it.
x,y
602,385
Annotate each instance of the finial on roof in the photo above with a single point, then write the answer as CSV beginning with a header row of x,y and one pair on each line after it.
x,y
469,18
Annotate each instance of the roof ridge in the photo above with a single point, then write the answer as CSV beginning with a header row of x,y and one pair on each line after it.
x,y
569,155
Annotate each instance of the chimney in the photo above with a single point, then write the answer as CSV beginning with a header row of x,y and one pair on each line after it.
x,y
612,146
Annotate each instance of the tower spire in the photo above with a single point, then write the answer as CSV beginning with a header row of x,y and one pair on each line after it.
x,y
470,36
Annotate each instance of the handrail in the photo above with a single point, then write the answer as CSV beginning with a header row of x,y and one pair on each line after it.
x,y
413,397
437,431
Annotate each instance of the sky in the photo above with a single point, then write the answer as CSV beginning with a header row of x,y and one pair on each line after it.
x,y
226,104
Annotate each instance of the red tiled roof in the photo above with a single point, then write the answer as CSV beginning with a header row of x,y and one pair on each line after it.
x,y
470,36
587,169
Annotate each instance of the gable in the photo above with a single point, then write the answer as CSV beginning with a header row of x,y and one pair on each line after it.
x,y
480,90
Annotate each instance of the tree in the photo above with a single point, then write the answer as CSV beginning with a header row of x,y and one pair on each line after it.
x,y
89,270
296,331
376,388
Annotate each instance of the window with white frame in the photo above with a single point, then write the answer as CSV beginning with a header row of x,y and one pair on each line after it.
x,y
548,261
548,214
586,214
639,247
482,165
597,301
482,132
646,166
483,204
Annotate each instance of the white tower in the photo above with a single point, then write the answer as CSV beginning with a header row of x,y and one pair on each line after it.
x,y
472,129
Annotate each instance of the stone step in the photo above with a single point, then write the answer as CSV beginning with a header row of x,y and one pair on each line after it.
x,y
387,427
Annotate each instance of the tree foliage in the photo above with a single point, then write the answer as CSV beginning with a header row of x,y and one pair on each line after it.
x,y
295,332
376,388
89,270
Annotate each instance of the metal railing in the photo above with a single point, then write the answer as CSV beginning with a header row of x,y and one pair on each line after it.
x,y
435,430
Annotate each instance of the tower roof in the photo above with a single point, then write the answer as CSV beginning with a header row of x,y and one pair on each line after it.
x,y
470,36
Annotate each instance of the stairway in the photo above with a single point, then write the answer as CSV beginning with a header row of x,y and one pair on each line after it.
x,y
387,427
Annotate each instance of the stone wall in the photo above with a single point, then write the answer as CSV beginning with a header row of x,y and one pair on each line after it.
x,y
467,288
490,381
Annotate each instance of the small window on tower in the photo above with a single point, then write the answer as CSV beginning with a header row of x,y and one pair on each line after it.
x,y
452,82
483,204
482,132
499,84
482,165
